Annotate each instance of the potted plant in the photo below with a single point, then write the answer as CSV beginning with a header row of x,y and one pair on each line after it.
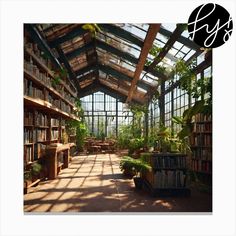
x,y
135,145
137,167
31,174
126,166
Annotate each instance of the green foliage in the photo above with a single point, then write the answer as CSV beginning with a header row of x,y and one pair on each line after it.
x,y
45,55
160,69
93,28
186,123
125,134
34,170
145,157
186,74
155,50
56,81
200,88
79,111
148,63
135,144
78,127
138,110
137,166
101,135
131,136
59,75
27,175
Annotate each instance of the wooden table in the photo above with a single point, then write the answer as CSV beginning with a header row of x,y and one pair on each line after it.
x,y
52,152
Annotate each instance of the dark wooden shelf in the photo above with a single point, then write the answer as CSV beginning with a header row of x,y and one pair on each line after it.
x,y
46,106
42,84
203,172
166,192
195,159
201,146
28,144
202,122
202,132
43,141
46,69
29,126
169,168
168,154
41,127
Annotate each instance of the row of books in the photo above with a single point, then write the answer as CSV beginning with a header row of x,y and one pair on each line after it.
x,y
45,79
41,135
28,118
32,91
168,162
65,107
202,153
41,119
39,150
29,136
63,122
54,134
36,135
201,140
34,70
33,48
28,154
68,97
169,179
53,101
202,117
54,122
202,166
202,127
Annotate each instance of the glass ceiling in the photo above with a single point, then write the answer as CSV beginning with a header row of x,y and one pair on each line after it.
x,y
118,47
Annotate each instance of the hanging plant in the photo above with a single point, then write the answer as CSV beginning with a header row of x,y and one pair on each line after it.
x,y
93,28
59,75
155,50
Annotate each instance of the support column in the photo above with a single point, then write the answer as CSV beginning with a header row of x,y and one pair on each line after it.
x,y
116,117
162,104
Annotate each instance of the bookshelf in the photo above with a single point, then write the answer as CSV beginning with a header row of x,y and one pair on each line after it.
x,y
47,104
169,174
201,146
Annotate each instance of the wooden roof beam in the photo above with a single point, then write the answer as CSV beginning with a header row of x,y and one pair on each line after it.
x,y
119,92
176,34
148,42
70,35
189,43
121,33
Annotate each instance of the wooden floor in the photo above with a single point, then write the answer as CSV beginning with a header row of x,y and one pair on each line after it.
x,y
94,183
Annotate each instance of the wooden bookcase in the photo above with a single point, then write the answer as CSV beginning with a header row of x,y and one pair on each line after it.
x,y
46,105
169,174
201,146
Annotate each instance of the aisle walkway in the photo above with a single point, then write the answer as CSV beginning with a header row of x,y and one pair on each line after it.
x,y
94,183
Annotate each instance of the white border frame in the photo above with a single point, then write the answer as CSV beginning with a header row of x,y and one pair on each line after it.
x,y
12,220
